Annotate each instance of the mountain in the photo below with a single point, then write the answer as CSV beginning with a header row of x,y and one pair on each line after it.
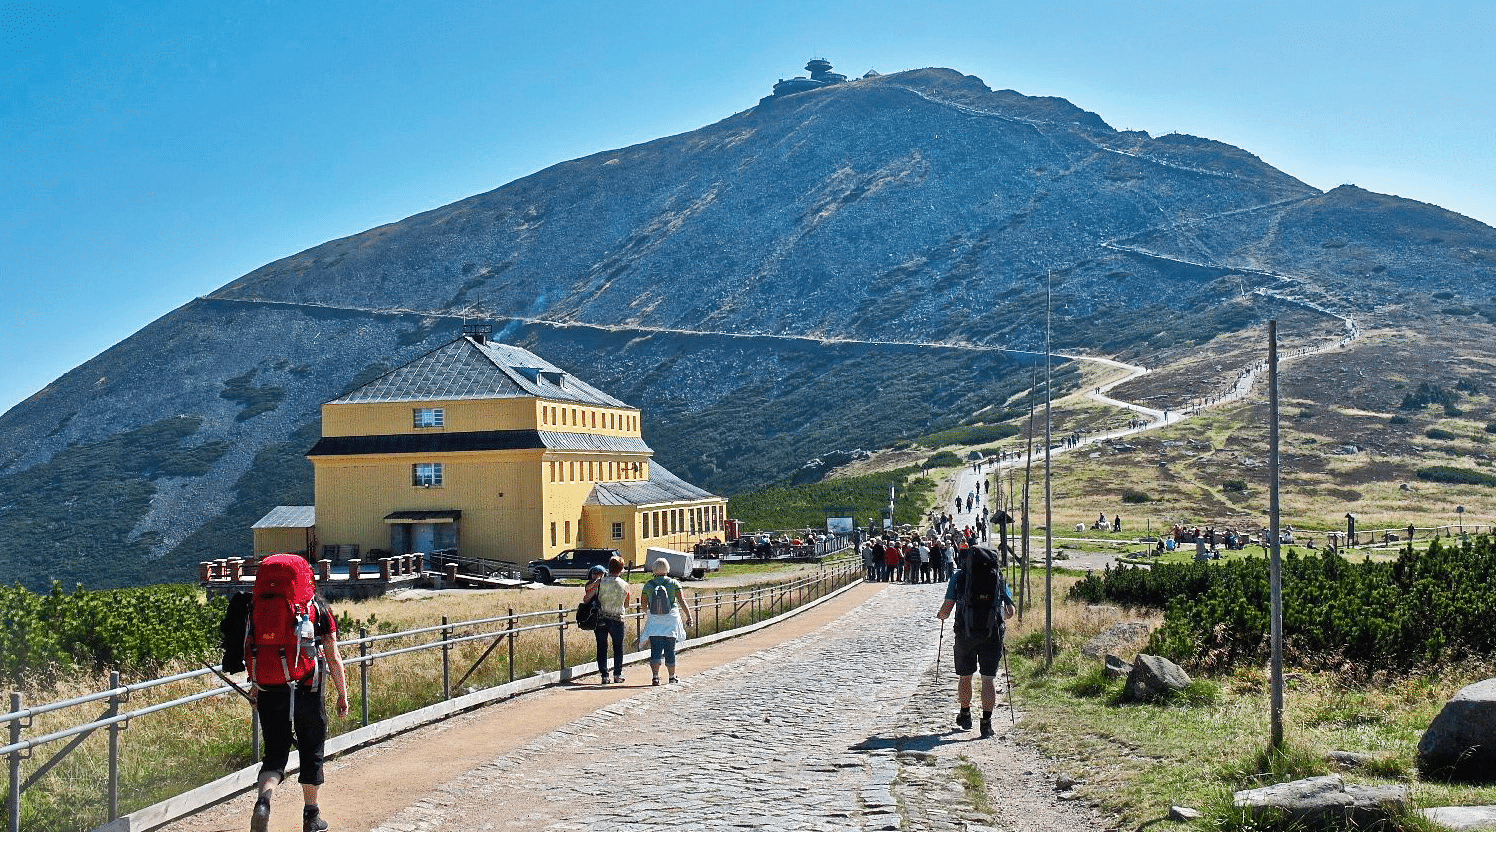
x,y
815,273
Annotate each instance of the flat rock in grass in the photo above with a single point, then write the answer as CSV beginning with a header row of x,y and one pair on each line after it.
x,y
1115,637
1152,677
1183,814
1462,818
1350,759
1460,745
1324,801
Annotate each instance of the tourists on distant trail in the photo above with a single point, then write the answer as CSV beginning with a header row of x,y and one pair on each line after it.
x,y
869,563
958,503
666,622
612,594
925,557
987,486
880,562
1117,523
290,629
978,594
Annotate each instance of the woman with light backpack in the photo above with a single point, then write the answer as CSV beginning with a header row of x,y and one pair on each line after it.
x,y
667,620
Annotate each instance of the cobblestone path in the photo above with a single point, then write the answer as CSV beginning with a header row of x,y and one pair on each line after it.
x,y
846,728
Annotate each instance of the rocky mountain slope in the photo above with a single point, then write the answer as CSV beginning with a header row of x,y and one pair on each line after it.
x,y
813,273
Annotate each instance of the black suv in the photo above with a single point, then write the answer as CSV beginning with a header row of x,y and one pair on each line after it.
x,y
571,564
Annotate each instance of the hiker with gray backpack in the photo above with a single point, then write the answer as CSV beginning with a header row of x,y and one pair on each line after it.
x,y
978,594
667,620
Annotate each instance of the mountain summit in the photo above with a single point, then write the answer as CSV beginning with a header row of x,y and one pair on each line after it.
x,y
814,273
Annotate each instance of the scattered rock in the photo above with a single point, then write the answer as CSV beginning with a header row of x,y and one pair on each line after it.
x,y
1118,635
1349,759
1151,677
1462,818
1183,814
1116,667
1324,801
1461,742
1064,783
1069,796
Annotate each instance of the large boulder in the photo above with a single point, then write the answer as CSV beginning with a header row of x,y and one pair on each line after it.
x,y
1153,677
1324,802
1461,742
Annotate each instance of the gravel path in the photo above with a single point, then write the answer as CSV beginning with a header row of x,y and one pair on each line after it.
x,y
845,728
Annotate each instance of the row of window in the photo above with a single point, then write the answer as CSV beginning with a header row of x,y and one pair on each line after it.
x,y
595,471
682,520
555,415
586,418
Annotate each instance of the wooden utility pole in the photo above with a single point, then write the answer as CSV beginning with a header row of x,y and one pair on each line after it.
x,y
1048,511
1275,560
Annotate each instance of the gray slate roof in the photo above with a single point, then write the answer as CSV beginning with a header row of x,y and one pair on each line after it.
x,y
662,487
289,516
464,369
592,443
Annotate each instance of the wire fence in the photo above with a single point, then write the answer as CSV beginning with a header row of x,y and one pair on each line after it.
x,y
190,734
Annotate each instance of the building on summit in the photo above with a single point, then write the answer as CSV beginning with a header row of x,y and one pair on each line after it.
x,y
820,76
487,451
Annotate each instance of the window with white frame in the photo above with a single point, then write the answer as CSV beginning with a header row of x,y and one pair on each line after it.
x,y
617,530
430,418
427,474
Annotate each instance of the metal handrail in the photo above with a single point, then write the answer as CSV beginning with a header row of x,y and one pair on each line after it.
x,y
761,598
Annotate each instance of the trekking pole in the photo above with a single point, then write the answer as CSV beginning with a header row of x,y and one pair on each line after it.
x,y
940,647
1012,712
227,680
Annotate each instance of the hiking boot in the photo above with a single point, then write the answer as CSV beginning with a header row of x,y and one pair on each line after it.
x,y
618,679
602,679
259,820
312,821
986,730
963,719
674,680
656,681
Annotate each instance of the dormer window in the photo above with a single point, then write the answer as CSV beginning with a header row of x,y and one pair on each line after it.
x,y
430,418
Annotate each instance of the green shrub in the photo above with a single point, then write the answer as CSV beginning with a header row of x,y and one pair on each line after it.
x,y
1491,427
1438,434
968,435
1397,420
943,459
1134,496
1453,474
1234,486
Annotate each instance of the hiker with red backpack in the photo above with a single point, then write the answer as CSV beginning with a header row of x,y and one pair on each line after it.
x,y
288,645
978,594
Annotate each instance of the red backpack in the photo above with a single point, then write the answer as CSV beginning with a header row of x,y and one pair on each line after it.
x,y
280,645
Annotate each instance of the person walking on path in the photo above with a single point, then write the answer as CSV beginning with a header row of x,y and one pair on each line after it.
x,y
978,594
297,702
612,595
666,622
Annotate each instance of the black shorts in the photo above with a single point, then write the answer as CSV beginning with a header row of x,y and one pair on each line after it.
x,y
311,731
978,652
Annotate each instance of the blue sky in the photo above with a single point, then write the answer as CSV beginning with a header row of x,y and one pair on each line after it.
x,y
153,152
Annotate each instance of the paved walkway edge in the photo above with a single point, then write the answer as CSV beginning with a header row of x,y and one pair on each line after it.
x,y
224,788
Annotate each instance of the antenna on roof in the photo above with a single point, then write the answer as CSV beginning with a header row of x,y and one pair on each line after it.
x,y
477,332
473,324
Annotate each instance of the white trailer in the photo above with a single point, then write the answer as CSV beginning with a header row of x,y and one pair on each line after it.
x,y
683,565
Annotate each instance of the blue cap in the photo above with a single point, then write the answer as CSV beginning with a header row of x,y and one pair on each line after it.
x,y
597,570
